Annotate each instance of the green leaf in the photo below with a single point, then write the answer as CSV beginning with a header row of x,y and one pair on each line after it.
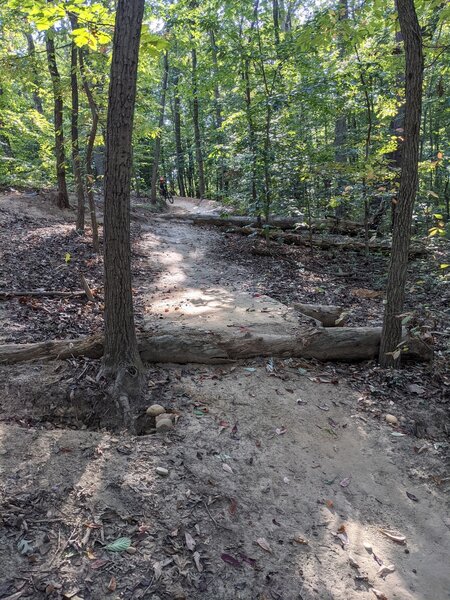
x,y
438,216
119,545
444,266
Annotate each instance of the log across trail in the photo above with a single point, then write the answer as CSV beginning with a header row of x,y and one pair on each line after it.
x,y
298,223
248,226
191,345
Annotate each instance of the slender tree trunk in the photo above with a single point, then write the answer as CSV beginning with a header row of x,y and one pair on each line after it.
x,y
197,136
63,198
76,159
395,293
276,21
251,138
340,128
177,128
218,111
160,125
190,173
121,360
89,154
37,101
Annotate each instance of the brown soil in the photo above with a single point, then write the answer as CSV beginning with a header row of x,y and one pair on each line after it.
x,y
281,473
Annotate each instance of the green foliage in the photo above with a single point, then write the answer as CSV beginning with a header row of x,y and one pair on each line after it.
x,y
271,147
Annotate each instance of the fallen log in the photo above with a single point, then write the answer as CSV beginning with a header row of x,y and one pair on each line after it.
x,y
327,243
297,223
328,316
189,345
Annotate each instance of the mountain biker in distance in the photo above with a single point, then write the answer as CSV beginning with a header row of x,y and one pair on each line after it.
x,y
163,187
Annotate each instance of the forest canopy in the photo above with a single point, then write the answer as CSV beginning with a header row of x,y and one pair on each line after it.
x,y
274,107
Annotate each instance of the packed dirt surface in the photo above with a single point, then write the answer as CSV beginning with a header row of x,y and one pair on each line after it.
x,y
281,479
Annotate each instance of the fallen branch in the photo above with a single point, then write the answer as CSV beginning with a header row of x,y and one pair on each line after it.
x,y
186,345
41,294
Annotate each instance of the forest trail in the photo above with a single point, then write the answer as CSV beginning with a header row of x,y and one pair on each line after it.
x,y
195,287
278,486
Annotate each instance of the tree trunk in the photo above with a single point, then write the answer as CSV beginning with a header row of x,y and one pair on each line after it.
x,y
177,128
395,293
121,361
340,128
218,111
89,154
157,151
63,198
77,175
251,138
197,136
37,101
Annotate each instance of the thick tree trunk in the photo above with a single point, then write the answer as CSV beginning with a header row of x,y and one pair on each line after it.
x,y
177,129
187,345
197,135
63,198
89,154
395,294
121,360
76,159
157,150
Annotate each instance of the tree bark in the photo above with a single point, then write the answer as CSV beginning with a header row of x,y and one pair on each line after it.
x,y
89,154
395,293
63,198
177,129
76,159
218,111
121,361
186,345
37,101
197,135
340,128
157,150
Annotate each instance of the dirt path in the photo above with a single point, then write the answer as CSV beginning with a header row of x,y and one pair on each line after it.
x,y
277,485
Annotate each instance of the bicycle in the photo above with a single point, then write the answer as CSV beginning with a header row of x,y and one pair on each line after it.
x,y
168,197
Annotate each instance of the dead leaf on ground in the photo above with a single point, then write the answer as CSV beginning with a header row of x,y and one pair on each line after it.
x,y
346,482
198,564
190,542
227,468
112,585
385,570
233,506
231,560
342,536
264,544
